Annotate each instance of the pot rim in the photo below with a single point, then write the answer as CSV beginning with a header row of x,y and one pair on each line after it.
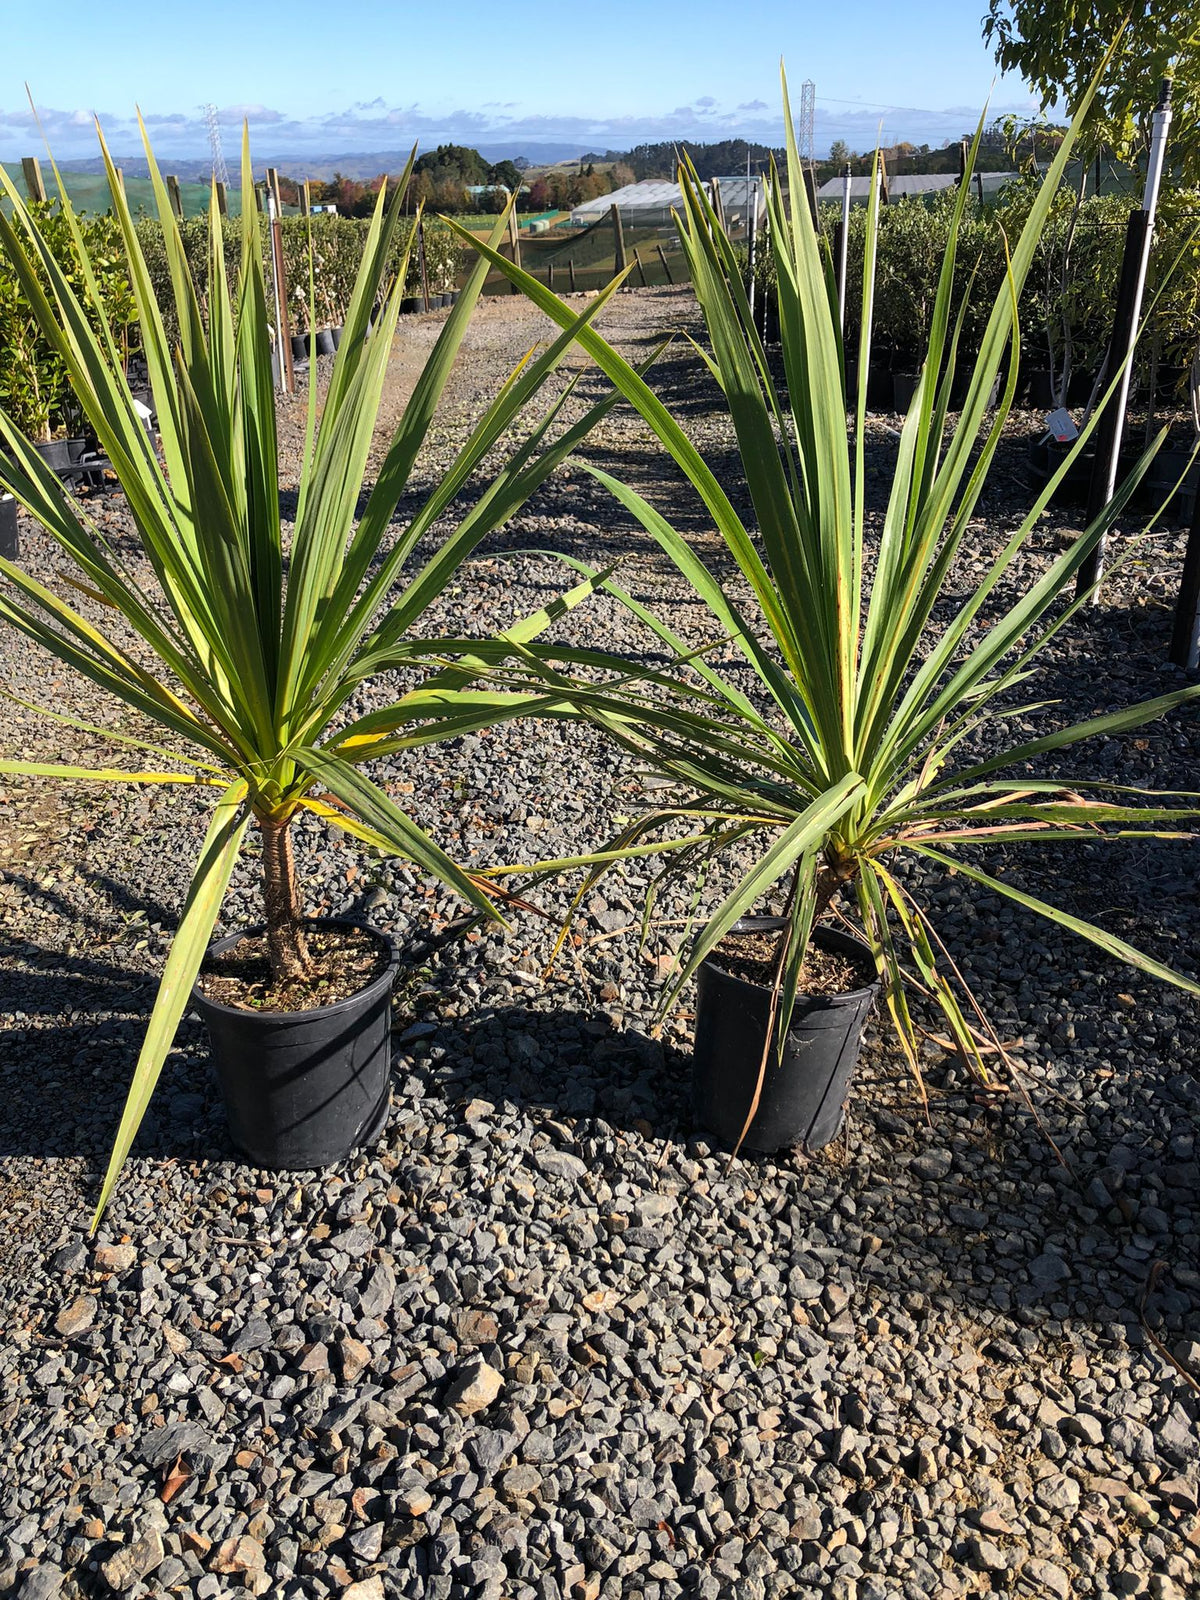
x,y
776,925
385,979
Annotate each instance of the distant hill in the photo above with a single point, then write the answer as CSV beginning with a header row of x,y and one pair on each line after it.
x,y
354,165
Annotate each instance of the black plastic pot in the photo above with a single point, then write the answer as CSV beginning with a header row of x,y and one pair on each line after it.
x,y
60,455
1045,458
10,544
299,347
904,386
325,344
302,1089
804,1093
879,388
336,335
412,303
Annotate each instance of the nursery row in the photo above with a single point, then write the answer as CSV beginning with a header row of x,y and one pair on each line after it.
x,y
1066,301
34,385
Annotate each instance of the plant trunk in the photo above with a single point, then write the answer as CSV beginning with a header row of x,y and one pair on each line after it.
x,y
286,945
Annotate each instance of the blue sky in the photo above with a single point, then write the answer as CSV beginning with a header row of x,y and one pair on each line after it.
x,y
365,75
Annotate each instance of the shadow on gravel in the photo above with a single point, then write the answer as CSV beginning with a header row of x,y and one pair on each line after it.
x,y
1002,1226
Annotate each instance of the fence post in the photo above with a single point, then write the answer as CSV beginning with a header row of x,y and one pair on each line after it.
x,y
618,240
666,265
35,185
1111,428
641,269
571,271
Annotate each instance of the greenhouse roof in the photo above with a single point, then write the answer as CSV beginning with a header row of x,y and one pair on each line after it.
x,y
914,183
656,194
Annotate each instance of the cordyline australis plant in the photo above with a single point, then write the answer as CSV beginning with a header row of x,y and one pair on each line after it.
x,y
848,756
245,653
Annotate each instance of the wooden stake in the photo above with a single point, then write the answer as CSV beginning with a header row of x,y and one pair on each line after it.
x,y
666,266
35,185
641,269
175,195
550,275
421,263
273,185
571,271
282,322
618,240
810,189
514,239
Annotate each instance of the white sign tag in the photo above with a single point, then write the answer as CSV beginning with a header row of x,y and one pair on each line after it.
x,y
1060,425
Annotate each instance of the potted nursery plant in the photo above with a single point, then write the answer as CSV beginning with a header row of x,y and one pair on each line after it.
x,y
853,750
250,644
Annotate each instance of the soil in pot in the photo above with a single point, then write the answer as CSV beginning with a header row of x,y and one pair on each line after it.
x,y
304,1067
805,1086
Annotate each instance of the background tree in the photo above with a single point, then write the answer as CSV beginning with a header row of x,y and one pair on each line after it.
x,y
505,173
1056,46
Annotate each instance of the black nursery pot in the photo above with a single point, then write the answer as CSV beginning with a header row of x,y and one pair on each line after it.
x,y
302,1089
61,454
804,1093
325,344
299,346
10,544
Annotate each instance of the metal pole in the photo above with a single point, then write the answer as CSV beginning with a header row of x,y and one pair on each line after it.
x,y
752,205
843,247
1124,337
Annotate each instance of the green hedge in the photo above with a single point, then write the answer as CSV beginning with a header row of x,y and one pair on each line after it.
x,y
1066,307
33,383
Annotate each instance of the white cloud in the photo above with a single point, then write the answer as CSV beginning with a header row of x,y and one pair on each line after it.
x,y
375,126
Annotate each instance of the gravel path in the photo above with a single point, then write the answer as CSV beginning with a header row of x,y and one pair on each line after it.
x,y
543,1340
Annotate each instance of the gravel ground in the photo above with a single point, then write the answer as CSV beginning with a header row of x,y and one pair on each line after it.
x,y
544,1340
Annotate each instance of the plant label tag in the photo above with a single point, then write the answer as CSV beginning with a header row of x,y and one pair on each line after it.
x,y
1060,425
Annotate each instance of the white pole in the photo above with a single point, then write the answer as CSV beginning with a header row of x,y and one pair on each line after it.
x,y
869,288
279,381
752,202
1160,122
845,246
1091,573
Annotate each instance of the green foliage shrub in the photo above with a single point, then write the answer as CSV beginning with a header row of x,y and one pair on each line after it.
x,y
33,381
